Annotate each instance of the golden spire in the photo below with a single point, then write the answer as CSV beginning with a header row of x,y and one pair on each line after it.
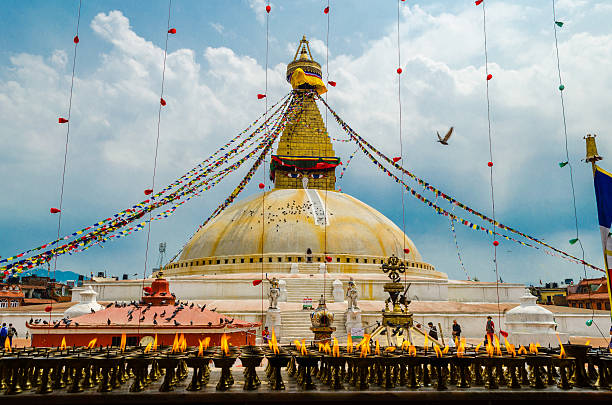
x,y
305,155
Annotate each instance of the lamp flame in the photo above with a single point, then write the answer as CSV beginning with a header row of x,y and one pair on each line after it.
x,y
7,344
562,354
327,349
522,350
154,348
321,347
147,349
477,347
533,349
412,351
92,343
183,343
461,347
224,345
297,344
426,343
390,349
175,344
275,348
349,344
62,345
588,342
200,348
303,350
336,348
446,349
498,351
510,347
377,349
438,351
123,342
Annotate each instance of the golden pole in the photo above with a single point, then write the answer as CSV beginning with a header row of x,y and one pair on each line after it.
x,y
592,156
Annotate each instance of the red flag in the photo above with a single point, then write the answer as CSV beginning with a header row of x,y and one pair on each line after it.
x,y
268,8
148,191
495,243
62,120
490,164
328,258
332,83
396,159
48,308
260,96
172,31
503,333
326,10
55,210
76,39
399,71
256,282
162,101
489,76
477,2
406,250
261,185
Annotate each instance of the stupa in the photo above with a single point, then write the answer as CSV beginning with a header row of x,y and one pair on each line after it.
x,y
311,241
304,219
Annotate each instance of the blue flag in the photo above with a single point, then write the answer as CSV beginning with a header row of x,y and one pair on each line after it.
x,y
603,194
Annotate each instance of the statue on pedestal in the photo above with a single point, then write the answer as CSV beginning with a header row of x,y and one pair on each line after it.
x,y
351,295
274,293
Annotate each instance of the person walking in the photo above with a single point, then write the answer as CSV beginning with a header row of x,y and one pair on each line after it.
x,y
490,330
265,335
433,332
456,330
3,335
11,332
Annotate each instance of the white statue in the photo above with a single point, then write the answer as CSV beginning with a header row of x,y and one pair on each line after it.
x,y
351,295
274,293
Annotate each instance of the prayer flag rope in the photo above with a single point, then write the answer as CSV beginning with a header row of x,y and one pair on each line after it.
x,y
361,142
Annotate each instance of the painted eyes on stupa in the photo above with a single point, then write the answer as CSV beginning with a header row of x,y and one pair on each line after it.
x,y
294,175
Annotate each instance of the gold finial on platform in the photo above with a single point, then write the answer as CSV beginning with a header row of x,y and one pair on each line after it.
x,y
591,149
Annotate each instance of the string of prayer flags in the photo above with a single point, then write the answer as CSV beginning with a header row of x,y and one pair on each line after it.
x,y
362,144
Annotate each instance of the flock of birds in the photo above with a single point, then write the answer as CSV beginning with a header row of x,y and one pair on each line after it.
x,y
140,309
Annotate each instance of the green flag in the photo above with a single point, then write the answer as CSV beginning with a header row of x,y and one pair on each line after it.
x,y
559,23
563,164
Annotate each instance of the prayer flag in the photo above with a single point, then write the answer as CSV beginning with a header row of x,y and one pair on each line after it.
x,y
603,195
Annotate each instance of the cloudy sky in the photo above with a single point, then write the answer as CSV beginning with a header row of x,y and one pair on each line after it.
x,y
216,66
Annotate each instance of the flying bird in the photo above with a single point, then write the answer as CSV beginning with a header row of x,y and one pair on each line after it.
x,y
444,141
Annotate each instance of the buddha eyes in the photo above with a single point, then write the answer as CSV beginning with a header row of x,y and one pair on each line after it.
x,y
295,175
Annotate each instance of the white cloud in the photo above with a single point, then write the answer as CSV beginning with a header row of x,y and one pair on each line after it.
x,y
259,8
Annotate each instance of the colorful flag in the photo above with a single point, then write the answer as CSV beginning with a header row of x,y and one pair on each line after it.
x,y
603,194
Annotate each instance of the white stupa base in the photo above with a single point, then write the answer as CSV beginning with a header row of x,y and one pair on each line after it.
x,y
273,321
353,320
544,339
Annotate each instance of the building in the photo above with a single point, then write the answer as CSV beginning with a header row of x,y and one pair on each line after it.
x,y
590,293
11,296
157,314
40,290
551,294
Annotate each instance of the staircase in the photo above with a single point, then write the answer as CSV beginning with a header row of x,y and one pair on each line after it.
x,y
296,325
298,289
308,268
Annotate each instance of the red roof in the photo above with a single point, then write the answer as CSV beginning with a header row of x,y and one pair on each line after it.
x,y
187,316
587,296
